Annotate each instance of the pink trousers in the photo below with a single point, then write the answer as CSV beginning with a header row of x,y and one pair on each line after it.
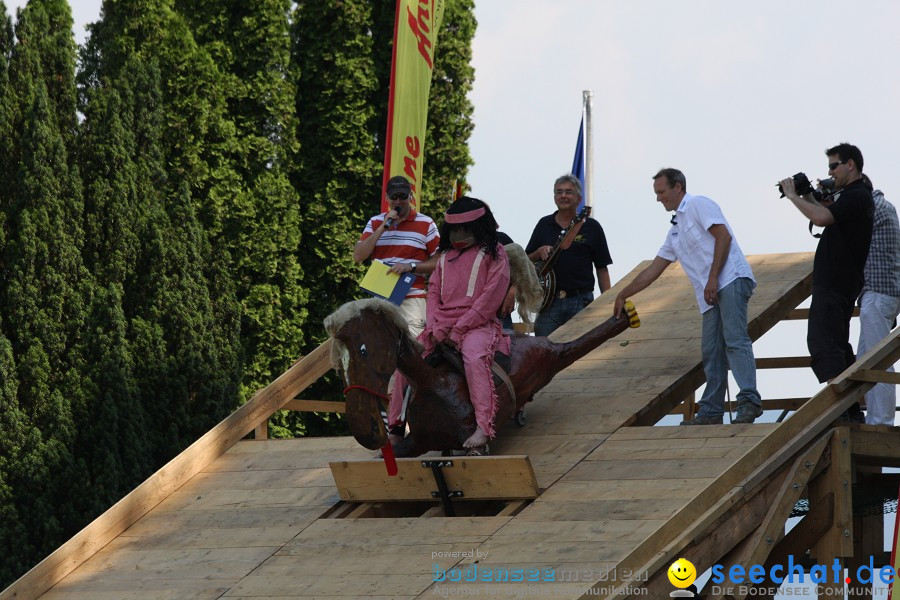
x,y
477,347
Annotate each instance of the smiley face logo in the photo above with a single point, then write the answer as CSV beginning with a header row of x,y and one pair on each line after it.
x,y
682,573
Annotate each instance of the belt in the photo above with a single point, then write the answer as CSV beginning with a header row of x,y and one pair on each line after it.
x,y
563,294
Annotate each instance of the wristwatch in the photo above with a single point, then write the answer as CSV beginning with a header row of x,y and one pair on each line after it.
x,y
412,268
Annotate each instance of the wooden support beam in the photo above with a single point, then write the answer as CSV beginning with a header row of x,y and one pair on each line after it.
x,y
361,510
513,507
798,314
803,536
717,539
748,471
803,313
790,404
836,480
876,445
868,540
478,478
756,547
325,406
783,362
261,431
340,510
876,376
434,511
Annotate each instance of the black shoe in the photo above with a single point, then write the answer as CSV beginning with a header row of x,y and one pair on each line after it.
x,y
747,413
854,414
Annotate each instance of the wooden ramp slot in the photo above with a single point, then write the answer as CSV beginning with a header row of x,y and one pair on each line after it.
x,y
467,478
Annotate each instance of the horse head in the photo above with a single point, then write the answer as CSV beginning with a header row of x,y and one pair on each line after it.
x,y
368,338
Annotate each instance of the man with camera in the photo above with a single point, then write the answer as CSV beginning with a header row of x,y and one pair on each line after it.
x,y
702,241
838,269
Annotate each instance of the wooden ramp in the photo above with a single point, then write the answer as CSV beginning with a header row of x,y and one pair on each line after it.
x,y
620,498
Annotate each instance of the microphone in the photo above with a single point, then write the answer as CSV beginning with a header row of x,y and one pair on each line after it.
x,y
388,223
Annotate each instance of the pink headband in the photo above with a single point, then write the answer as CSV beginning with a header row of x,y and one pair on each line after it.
x,y
465,217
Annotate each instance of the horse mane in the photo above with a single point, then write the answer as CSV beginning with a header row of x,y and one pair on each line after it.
x,y
336,320
523,275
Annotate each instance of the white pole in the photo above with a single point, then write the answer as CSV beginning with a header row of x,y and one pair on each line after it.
x,y
588,97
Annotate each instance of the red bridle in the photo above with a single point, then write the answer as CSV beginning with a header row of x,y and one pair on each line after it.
x,y
365,389
387,451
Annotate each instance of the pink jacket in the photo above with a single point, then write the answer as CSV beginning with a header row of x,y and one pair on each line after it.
x,y
464,293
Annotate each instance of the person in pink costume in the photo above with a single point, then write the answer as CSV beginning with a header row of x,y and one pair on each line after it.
x,y
465,291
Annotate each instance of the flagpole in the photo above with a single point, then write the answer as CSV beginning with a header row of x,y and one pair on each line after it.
x,y
588,97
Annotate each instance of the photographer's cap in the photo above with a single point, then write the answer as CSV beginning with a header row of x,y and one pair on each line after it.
x,y
398,185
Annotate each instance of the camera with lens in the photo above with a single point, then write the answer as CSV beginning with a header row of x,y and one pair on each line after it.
x,y
801,185
824,190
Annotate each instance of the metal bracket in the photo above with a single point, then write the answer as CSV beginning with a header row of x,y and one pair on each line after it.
x,y
437,469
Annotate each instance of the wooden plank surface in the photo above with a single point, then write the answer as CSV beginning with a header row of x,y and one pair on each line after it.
x,y
612,488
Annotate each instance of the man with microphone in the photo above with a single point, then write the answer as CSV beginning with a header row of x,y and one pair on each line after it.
x,y
408,241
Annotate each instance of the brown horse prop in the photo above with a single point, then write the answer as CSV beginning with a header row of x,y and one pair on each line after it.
x,y
371,340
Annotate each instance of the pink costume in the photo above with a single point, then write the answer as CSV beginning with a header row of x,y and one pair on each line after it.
x,y
464,293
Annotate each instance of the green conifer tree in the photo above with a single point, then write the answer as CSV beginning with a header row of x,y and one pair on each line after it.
x,y
449,108
261,221
46,286
338,175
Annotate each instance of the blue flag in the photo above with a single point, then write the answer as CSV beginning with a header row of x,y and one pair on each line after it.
x,y
578,164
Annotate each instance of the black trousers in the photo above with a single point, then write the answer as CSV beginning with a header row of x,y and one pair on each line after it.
x,y
828,336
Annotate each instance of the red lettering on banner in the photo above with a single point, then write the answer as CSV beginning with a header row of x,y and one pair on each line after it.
x,y
419,27
409,161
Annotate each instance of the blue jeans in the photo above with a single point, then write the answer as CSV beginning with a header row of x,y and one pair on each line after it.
x,y
559,312
726,343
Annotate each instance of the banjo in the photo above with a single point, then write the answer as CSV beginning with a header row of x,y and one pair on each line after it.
x,y
546,276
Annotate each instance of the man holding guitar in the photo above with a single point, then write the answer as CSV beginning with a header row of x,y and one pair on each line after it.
x,y
567,245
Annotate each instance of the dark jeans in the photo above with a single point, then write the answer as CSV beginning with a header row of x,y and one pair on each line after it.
x,y
560,312
828,336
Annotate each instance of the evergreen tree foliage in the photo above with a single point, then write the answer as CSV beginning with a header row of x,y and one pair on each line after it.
x,y
261,221
46,285
176,220
14,457
8,158
447,157
338,173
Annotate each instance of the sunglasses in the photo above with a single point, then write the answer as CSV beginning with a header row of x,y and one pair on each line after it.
x,y
400,197
834,165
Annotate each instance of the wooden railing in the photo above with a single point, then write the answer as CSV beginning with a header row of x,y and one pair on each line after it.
x,y
688,408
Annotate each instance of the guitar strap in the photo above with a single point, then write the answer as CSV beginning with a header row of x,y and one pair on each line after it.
x,y
571,235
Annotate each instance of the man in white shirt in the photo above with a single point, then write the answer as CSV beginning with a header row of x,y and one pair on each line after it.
x,y
702,240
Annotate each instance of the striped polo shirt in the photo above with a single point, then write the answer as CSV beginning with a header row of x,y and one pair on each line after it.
x,y
414,239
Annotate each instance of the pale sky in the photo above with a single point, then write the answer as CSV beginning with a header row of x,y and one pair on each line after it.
x,y
736,95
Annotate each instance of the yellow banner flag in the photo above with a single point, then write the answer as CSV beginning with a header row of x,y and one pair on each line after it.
x,y
415,37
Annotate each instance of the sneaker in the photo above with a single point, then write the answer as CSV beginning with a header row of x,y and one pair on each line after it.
x,y
704,420
747,413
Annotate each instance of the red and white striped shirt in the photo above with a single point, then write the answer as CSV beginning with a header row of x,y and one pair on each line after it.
x,y
414,239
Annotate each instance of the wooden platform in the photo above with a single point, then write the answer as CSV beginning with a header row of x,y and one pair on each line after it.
x,y
260,520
